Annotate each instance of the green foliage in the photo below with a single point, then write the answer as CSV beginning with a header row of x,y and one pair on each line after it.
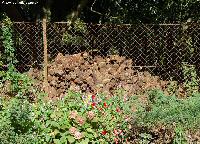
x,y
170,111
191,82
16,122
75,32
141,11
20,83
180,137
117,11
74,119
70,39
80,26
172,87
113,51
8,56
82,119
145,138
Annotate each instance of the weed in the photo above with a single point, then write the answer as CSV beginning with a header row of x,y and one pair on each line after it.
x,y
170,111
16,122
190,79
180,137
172,87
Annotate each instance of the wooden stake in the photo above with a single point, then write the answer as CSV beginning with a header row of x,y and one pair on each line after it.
x,y
45,85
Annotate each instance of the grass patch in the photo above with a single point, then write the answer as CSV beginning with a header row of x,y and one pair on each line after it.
x,y
169,111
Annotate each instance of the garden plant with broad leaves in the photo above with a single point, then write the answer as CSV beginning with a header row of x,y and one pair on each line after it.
x,y
84,119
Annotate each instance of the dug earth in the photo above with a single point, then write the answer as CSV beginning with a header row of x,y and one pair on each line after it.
x,y
84,72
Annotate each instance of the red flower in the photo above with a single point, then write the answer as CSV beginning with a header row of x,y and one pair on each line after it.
x,y
104,132
93,105
100,109
105,105
118,109
93,97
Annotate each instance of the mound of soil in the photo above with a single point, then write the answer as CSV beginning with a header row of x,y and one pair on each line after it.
x,y
90,73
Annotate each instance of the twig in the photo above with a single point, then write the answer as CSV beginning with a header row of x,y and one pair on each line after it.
x,y
94,10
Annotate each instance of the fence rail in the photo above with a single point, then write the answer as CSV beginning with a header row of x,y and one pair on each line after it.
x,y
159,48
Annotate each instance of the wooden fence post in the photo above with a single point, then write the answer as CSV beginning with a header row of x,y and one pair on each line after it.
x,y
45,68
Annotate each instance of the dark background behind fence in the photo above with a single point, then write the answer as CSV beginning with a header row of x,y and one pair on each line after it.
x,y
161,48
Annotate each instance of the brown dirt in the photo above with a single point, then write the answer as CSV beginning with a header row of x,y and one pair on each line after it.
x,y
158,135
162,135
92,74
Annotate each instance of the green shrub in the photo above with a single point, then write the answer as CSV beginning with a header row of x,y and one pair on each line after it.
x,y
169,111
191,81
75,32
20,84
6,37
74,119
16,124
83,119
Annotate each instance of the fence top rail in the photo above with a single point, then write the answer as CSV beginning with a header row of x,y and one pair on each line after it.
x,y
161,24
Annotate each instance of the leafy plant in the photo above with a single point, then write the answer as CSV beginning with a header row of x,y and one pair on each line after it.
x,y
83,119
190,79
16,122
170,111
75,32
179,136
20,84
8,56
172,87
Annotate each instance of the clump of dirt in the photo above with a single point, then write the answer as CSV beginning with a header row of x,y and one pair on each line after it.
x,y
92,74
161,134
157,135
